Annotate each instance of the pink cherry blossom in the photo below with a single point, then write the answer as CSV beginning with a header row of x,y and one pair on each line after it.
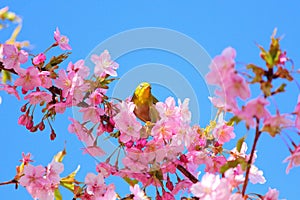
x,y
59,107
104,65
127,123
79,68
223,133
95,184
215,164
185,113
274,124
26,158
256,175
136,161
53,171
282,58
236,86
13,57
10,90
221,67
96,97
138,193
64,81
92,114
29,79
163,130
38,97
235,176
110,193
254,108
182,185
106,169
211,187
33,176
40,58
272,194
61,40
80,130
236,196
94,150
294,159
168,109
46,81
217,102
297,112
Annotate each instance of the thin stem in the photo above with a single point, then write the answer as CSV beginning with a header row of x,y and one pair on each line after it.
x,y
187,174
53,45
257,134
9,182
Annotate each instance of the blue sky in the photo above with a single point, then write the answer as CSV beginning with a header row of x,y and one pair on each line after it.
x,y
212,24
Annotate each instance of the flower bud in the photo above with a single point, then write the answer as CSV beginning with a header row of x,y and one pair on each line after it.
x,y
33,129
41,126
22,120
169,184
183,158
29,124
24,91
129,144
52,135
24,108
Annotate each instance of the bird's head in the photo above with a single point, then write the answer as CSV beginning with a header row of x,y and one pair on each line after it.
x,y
143,91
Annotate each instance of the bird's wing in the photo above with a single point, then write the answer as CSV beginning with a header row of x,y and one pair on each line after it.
x,y
154,100
133,98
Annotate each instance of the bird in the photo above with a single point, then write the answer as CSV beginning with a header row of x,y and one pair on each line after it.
x,y
145,103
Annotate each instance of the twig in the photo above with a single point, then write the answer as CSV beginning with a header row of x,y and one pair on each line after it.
x,y
257,134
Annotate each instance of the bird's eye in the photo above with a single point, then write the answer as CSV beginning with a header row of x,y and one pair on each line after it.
x,y
141,85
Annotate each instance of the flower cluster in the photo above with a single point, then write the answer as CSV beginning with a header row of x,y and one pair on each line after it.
x,y
170,154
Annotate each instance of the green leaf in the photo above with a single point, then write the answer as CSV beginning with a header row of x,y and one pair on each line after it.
x,y
266,88
6,76
131,182
266,57
258,71
69,181
284,73
60,155
55,60
239,144
232,164
57,195
234,119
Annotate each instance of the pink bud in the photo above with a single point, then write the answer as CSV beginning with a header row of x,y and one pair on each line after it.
x,y
109,128
24,108
183,158
24,91
40,58
169,185
52,135
141,143
34,129
29,124
41,126
129,144
22,120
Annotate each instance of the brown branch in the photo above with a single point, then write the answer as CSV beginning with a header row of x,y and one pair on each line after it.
x,y
10,182
187,174
257,134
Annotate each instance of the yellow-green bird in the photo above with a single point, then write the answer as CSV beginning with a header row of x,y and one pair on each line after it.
x,y
144,103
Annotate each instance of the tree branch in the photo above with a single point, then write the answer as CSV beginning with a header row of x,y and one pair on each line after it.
x,y
257,134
